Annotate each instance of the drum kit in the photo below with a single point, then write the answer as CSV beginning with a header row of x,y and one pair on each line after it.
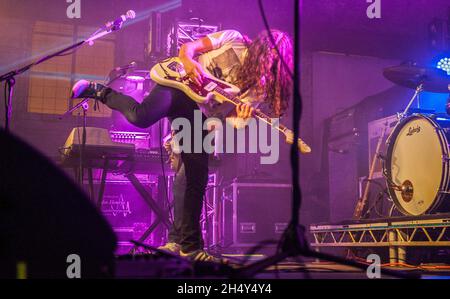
x,y
417,162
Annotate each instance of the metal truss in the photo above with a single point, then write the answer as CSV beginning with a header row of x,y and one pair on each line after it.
x,y
183,32
432,232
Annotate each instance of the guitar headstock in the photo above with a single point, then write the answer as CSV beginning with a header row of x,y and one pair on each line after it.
x,y
302,146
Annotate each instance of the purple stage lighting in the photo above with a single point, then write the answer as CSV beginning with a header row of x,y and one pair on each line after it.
x,y
444,64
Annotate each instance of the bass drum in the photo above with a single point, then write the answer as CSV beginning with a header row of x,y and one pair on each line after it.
x,y
417,165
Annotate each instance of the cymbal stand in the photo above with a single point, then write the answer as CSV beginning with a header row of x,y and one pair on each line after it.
x,y
402,115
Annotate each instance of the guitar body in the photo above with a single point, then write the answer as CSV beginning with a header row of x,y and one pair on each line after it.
x,y
171,73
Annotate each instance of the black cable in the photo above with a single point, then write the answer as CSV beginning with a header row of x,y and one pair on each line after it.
x,y
80,166
292,232
6,103
297,202
8,87
67,54
382,192
294,149
272,39
83,144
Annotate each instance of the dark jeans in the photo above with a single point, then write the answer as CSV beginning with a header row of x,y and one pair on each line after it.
x,y
190,182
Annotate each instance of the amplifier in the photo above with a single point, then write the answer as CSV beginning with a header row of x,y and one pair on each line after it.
x,y
126,211
253,211
343,123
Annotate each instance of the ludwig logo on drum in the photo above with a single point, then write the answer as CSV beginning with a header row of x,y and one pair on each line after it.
x,y
413,130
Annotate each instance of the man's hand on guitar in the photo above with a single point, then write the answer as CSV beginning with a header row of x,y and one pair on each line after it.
x,y
187,53
194,71
168,146
244,111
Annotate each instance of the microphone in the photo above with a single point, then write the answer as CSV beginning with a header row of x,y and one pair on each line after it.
x,y
126,67
117,24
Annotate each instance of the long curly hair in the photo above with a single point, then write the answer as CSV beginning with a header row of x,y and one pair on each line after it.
x,y
264,72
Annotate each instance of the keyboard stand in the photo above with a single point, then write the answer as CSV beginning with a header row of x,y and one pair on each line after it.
x,y
101,191
161,215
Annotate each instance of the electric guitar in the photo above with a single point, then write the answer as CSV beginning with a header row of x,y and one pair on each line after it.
x,y
171,73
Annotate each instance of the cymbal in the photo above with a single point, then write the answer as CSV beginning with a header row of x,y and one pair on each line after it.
x,y
411,76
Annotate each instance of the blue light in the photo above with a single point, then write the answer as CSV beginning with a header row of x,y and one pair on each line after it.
x,y
444,64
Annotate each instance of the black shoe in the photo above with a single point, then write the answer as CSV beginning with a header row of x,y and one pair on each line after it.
x,y
202,256
171,247
85,89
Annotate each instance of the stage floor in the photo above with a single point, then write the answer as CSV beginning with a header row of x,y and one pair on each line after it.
x,y
149,268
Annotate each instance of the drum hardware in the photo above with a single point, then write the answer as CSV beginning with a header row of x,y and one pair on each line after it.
x,y
419,89
391,211
393,185
389,181
407,191
401,116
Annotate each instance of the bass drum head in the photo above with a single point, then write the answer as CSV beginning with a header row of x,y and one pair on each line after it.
x,y
415,162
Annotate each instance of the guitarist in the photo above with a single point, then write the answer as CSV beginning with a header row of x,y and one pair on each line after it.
x,y
253,66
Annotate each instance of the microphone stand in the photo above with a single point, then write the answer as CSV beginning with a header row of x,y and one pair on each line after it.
x,y
10,81
294,242
85,106
10,77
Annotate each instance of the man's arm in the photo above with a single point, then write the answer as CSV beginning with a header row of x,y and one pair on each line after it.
x,y
195,71
187,53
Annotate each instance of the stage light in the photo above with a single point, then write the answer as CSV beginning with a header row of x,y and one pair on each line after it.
x,y
444,64
144,15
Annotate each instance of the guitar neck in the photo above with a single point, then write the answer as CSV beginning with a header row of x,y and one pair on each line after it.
x,y
304,148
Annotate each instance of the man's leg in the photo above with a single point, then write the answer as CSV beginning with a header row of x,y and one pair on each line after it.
x,y
178,190
196,170
190,183
157,105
